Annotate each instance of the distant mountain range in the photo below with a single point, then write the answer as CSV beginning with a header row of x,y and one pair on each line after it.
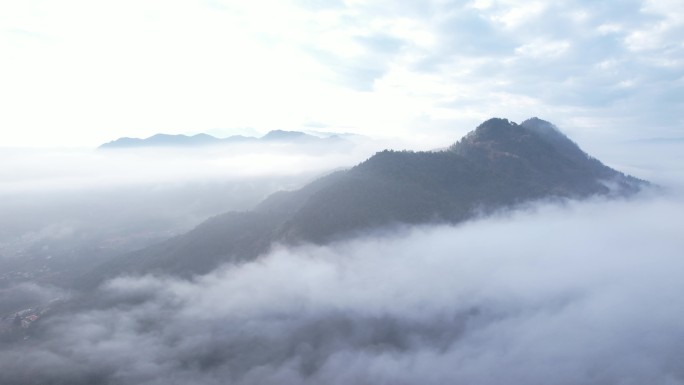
x,y
499,165
166,140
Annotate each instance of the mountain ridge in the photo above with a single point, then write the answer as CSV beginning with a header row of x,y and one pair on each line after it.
x,y
202,139
499,165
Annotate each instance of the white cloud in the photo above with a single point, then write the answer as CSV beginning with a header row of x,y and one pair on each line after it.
x,y
83,73
581,293
516,14
23,171
543,49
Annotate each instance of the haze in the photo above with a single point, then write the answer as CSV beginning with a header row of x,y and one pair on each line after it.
x,y
78,73
554,290
583,293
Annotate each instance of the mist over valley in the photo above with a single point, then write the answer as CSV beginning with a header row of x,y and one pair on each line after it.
x,y
525,278
341,192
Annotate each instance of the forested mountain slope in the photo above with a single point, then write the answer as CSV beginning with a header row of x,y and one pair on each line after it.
x,y
498,165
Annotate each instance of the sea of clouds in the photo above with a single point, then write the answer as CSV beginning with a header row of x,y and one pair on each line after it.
x,y
580,293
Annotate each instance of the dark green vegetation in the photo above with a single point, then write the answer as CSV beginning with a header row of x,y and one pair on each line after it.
x,y
499,165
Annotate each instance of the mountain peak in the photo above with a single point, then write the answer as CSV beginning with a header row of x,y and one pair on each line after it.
x,y
541,127
492,129
499,165
492,122
495,127
502,135
286,135
535,121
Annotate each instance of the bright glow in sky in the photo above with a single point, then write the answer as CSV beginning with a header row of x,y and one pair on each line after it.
x,y
83,72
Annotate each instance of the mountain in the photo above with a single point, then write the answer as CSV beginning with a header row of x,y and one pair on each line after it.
x,y
287,135
499,165
159,140
165,140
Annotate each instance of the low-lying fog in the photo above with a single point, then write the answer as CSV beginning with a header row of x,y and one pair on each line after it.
x,y
581,293
62,210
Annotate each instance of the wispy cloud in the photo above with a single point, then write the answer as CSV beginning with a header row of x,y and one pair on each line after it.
x,y
187,66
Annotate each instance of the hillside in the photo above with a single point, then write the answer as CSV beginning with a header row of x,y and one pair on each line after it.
x,y
498,165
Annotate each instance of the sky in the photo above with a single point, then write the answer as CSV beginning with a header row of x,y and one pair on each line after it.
x,y
78,73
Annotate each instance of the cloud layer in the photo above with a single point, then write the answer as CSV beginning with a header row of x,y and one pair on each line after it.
x,y
584,293
31,170
400,68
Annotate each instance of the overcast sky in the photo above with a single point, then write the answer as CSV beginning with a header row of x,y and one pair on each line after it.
x,y
83,72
